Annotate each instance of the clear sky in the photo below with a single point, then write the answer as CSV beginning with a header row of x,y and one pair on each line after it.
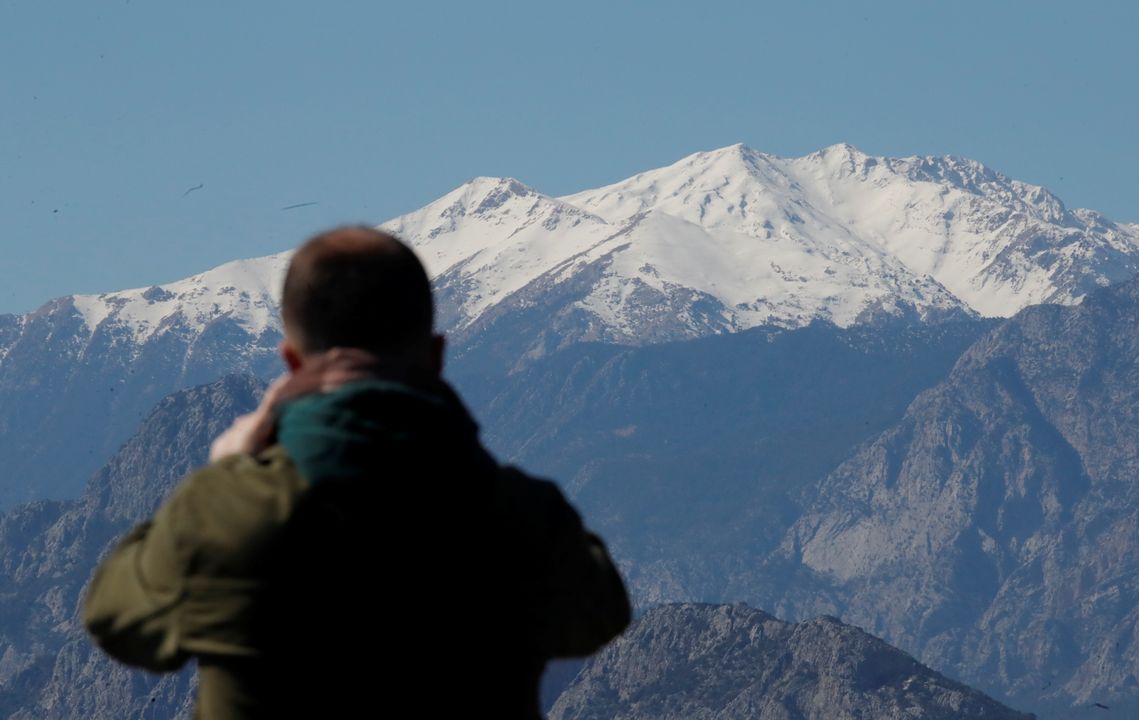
x,y
111,111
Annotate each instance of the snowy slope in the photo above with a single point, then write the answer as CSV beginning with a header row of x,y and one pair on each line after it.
x,y
493,236
245,290
494,239
996,244
717,242
77,375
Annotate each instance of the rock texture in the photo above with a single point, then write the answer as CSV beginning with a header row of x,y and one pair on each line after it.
x,y
71,394
716,243
994,532
48,667
729,662
693,459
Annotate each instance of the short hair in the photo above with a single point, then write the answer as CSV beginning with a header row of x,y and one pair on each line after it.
x,y
355,286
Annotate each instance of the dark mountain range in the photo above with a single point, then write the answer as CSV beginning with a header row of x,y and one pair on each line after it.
x,y
692,458
1000,506
50,670
730,662
49,548
70,394
994,531
48,667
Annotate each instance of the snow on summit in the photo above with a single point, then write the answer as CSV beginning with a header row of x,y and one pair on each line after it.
x,y
248,291
719,241
996,244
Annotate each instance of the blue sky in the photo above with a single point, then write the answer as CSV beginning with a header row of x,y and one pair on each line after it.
x,y
110,111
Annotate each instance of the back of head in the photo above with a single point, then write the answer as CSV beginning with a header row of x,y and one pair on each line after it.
x,y
357,287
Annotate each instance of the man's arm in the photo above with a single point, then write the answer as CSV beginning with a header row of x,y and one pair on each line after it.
x,y
184,583
580,599
132,604
589,604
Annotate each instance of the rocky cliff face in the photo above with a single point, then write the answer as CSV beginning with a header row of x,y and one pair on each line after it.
x,y
48,667
693,459
726,662
994,532
991,530
47,549
71,393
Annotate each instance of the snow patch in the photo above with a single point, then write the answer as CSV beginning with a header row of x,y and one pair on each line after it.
x,y
246,290
730,239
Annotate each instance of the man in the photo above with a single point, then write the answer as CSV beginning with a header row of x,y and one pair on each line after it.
x,y
351,549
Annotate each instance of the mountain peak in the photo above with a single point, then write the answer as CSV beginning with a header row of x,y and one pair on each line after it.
x,y
736,150
480,197
731,160
838,235
485,193
707,188
842,149
841,159
246,290
491,183
736,662
976,178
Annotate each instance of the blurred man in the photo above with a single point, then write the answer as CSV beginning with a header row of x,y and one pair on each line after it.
x,y
351,549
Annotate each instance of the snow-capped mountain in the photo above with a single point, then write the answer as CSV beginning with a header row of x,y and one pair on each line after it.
x,y
996,244
718,242
734,238
79,373
649,274
246,291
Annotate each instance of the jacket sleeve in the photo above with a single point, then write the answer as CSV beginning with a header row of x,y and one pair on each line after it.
x,y
183,584
581,602
132,605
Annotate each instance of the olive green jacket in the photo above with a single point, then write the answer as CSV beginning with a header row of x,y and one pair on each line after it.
x,y
410,547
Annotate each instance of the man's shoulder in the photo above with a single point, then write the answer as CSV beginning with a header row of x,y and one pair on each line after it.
x,y
271,470
268,482
229,507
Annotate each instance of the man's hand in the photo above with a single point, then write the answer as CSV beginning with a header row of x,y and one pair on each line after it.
x,y
251,433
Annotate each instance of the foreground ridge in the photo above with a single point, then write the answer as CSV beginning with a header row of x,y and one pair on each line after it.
x,y
732,661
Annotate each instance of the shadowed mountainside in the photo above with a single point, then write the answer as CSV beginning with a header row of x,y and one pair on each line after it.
x,y
48,666
692,459
730,662
994,531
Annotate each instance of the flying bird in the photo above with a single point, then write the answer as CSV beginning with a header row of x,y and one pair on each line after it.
x,y
199,186
299,205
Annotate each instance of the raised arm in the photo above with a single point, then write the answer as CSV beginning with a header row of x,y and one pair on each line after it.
x,y
184,583
580,602
132,604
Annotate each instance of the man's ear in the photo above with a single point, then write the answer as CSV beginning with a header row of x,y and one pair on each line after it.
x,y
290,355
437,350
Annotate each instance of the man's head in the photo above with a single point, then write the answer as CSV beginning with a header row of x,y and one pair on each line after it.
x,y
358,287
